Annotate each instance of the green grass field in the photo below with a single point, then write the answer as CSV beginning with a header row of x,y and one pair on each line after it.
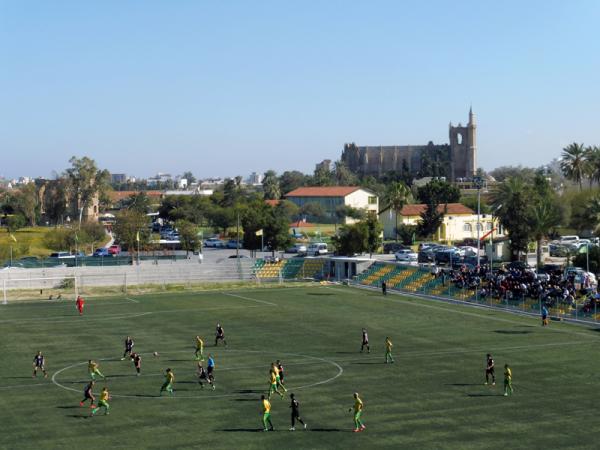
x,y
432,397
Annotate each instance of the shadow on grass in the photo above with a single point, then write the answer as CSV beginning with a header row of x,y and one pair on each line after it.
x,y
511,332
249,391
485,395
79,416
178,360
320,293
244,430
245,399
325,430
463,384
347,353
70,407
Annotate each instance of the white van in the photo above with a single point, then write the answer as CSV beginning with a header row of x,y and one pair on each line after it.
x,y
316,249
570,239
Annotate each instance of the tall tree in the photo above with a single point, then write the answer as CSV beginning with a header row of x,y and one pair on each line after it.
x,y
374,232
438,191
128,226
277,229
271,188
85,181
396,196
351,239
291,180
188,236
543,217
189,176
343,176
431,220
26,202
573,164
55,200
511,201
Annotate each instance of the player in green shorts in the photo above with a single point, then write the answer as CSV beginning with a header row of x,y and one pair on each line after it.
x,y
103,402
168,384
273,385
508,389
93,370
266,413
388,350
275,370
358,409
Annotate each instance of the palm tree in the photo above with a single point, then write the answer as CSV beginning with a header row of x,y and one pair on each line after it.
x,y
542,219
573,164
593,163
396,196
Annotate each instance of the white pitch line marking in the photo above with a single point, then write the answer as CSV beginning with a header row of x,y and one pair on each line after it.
x,y
316,358
248,298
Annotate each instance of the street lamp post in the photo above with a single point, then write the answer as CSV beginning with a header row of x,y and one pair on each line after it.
x,y
478,182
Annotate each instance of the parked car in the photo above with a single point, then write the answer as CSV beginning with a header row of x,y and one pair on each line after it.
x,y
297,248
571,239
214,243
61,255
406,255
114,249
317,248
233,243
102,251
237,256
447,256
393,247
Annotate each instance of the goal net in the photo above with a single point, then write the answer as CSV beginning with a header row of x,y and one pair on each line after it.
x,y
45,288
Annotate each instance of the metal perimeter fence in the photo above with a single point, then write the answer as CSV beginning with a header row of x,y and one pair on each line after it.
x,y
583,309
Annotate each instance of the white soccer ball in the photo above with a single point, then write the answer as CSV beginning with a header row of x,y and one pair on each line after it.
x,y
155,354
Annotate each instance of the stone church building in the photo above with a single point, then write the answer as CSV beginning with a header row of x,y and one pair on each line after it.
x,y
455,160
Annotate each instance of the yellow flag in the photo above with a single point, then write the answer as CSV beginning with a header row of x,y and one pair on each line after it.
x,y
12,236
259,232
137,236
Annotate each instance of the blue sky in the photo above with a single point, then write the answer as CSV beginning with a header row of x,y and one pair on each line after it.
x,y
229,87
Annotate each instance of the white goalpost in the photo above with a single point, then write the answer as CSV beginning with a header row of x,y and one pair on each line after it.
x,y
39,288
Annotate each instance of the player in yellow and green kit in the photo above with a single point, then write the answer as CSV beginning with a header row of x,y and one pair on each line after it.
x,y
508,389
103,402
388,350
275,370
199,349
273,385
358,409
93,370
168,384
266,413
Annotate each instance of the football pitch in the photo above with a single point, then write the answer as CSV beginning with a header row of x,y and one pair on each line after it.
x,y
433,396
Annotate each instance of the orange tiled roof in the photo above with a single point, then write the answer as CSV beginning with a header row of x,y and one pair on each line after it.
x,y
451,208
323,191
272,202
